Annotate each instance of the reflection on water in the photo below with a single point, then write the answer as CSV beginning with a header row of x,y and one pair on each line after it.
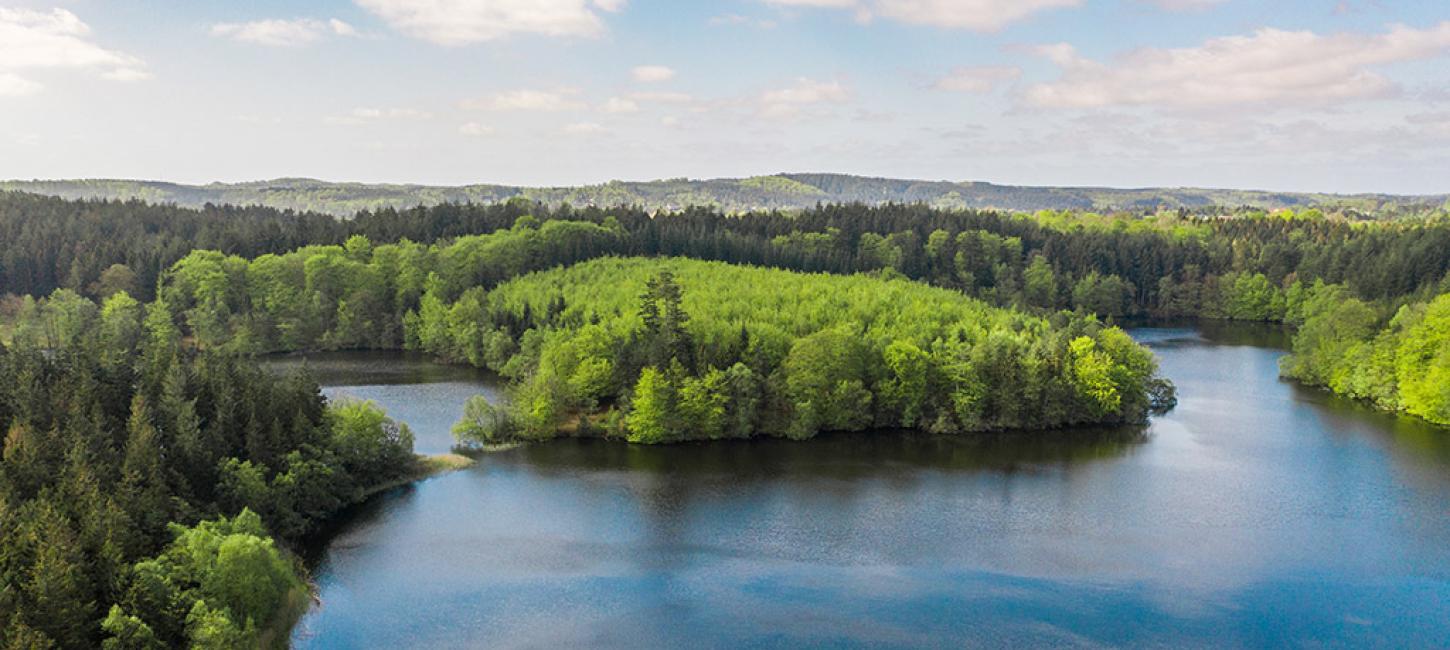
x,y
428,396
1254,514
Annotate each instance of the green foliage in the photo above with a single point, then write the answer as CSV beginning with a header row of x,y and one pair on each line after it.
x,y
1422,363
482,423
1401,364
361,295
696,350
367,441
116,434
225,574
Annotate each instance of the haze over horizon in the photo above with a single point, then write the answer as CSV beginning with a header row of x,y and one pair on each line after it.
x,y
486,182
1314,96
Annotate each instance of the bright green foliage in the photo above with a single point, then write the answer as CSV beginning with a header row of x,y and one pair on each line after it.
x,y
1423,363
361,295
367,441
825,383
1251,297
224,576
905,388
1091,371
704,349
1348,347
655,416
126,632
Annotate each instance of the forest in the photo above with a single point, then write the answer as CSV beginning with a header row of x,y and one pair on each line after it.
x,y
149,493
683,349
1397,359
154,482
262,280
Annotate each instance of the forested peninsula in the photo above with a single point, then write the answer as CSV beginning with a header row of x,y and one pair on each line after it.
x,y
154,481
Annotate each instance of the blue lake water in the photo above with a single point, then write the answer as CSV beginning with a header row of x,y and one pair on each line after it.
x,y
1255,514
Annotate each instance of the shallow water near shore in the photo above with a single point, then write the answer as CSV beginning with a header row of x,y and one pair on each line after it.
x,y
1256,513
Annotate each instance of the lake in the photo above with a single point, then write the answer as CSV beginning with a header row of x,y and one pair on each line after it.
x,y
1257,513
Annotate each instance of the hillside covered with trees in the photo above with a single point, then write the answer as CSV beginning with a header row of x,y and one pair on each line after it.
x,y
774,192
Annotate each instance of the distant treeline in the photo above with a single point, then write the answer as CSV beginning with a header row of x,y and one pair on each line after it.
x,y
1126,265
733,195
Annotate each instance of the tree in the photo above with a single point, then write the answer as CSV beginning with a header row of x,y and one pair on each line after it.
x,y
370,445
126,632
1423,364
1040,283
482,423
664,321
121,328
117,278
654,416
826,384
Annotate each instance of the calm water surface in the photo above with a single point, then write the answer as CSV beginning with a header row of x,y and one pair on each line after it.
x,y
1254,514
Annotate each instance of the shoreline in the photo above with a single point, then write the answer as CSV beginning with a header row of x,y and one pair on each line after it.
x,y
425,466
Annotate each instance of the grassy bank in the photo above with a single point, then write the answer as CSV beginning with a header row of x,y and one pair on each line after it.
x,y
424,466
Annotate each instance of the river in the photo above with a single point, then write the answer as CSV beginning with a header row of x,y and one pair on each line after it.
x,y
1257,513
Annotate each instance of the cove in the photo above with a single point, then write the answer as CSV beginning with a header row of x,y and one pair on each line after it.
x,y
1256,513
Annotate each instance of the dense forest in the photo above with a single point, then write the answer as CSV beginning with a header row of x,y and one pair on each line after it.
x,y
260,280
1163,265
683,349
1397,359
148,493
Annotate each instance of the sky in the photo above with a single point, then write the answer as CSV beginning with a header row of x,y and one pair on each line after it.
x,y
1295,95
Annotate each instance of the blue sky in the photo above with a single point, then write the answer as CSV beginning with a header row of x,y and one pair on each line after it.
x,y
1293,94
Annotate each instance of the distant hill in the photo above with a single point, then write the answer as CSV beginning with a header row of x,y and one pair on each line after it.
x,y
780,191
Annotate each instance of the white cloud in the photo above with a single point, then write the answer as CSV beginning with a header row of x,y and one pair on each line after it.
x,y
807,91
584,128
14,85
475,129
126,74
975,15
976,79
787,102
283,33
368,115
543,101
341,28
31,40
619,105
652,73
462,22
662,97
1266,66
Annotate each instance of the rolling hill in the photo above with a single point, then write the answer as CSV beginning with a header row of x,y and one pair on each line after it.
x,y
780,191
